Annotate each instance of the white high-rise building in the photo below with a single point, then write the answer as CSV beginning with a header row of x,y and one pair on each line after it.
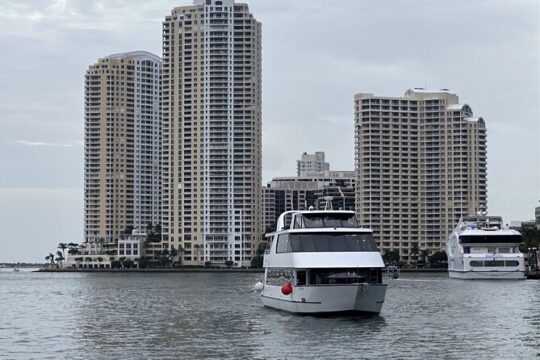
x,y
211,139
420,164
311,163
122,177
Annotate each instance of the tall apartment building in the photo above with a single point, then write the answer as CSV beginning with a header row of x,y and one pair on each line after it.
x,y
421,165
310,163
300,193
211,140
122,177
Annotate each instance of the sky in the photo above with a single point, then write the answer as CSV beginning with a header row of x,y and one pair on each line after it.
x,y
316,55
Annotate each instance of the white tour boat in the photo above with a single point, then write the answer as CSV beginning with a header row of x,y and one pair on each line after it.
x,y
480,247
323,262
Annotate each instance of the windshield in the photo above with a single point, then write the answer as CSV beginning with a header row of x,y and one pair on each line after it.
x,y
498,239
335,220
326,242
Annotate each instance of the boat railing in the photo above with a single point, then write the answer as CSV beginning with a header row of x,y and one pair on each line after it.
x,y
481,223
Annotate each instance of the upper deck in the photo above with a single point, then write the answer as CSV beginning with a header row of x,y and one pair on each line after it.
x,y
484,229
322,239
481,222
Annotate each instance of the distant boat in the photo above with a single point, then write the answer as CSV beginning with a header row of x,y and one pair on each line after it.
x,y
16,269
481,248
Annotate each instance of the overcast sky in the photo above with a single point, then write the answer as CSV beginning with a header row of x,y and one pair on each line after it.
x,y
316,55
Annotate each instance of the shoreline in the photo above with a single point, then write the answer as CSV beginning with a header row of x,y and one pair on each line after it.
x,y
156,270
200,270
530,276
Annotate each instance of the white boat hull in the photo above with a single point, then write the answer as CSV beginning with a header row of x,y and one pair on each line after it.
x,y
327,298
487,275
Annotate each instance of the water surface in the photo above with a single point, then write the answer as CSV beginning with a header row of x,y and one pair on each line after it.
x,y
217,315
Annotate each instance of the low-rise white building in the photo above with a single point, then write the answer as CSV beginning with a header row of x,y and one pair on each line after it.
x,y
102,255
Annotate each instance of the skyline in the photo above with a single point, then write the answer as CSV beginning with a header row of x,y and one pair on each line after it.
x,y
307,77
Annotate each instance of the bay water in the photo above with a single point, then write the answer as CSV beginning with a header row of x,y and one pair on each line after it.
x,y
218,315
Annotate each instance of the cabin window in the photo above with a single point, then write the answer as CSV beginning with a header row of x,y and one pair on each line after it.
x,y
511,263
331,242
490,239
279,276
477,263
282,243
504,250
493,263
298,222
300,278
375,276
345,276
337,220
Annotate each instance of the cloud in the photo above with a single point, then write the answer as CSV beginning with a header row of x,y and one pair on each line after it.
x,y
40,143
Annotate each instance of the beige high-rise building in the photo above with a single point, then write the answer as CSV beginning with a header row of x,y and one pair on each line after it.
x,y
121,153
420,166
310,163
211,144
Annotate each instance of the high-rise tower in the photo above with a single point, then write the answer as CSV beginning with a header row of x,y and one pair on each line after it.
x,y
420,165
122,178
211,139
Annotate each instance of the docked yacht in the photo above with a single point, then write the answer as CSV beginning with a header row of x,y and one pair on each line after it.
x,y
480,247
323,262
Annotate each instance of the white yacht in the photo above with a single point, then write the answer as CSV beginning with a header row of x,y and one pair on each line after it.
x,y
480,247
323,262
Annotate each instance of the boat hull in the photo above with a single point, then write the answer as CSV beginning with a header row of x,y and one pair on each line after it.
x,y
487,275
327,298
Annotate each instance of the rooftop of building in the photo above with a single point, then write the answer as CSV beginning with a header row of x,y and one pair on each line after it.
x,y
132,55
417,93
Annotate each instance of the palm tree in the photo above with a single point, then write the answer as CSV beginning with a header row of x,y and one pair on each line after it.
x,y
424,254
173,253
50,258
63,247
415,250
128,230
59,257
165,257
